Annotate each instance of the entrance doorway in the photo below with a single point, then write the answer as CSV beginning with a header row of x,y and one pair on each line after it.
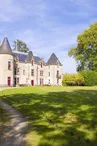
x,y
32,82
9,81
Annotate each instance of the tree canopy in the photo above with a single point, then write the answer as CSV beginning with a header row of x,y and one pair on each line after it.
x,y
85,53
20,46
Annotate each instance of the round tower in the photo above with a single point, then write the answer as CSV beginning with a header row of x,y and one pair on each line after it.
x,y
6,64
54,70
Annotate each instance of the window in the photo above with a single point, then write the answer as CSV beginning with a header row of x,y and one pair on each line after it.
x,y
18,70
23,72
49,74
32,62
49,81
9,65
41,72
17,80
16,66
32,72
41,64
15,71
41,81
57,73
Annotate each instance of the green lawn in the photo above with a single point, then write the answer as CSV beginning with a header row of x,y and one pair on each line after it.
x,y
58,116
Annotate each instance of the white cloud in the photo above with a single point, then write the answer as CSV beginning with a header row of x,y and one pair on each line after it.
x,y
13,10
10,10
50,32
50,36
57,40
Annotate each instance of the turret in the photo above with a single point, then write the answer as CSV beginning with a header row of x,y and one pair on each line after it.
x,y
54,70
5,47
7,62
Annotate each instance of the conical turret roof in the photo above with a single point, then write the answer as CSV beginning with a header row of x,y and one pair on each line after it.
x,y
53,60
5,47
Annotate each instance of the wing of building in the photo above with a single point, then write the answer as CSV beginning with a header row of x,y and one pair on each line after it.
x,y
18,68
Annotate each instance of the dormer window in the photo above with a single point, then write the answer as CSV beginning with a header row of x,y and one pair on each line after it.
x,y
32,62
9,65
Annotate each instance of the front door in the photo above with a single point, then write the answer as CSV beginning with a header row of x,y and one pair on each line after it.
x,y
32,82
9,81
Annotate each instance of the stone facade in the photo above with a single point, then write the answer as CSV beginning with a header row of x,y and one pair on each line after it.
x,y
19,68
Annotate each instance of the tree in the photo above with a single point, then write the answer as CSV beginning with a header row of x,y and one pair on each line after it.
x,y
90,77
85,53
20,46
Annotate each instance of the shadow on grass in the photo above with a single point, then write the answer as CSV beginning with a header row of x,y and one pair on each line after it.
x,y
60,118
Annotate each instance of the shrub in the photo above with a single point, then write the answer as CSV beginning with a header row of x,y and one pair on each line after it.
x,y
22,85
73,80
90,77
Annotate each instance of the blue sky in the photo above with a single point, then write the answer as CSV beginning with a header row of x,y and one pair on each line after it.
x,y
47,26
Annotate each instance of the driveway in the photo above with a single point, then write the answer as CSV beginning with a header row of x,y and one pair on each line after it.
x,y
15,132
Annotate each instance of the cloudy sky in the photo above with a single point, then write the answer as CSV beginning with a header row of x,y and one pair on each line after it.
x,y
47,26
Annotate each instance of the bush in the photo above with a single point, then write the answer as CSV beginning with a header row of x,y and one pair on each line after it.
x,y
22,85
73,80
90,78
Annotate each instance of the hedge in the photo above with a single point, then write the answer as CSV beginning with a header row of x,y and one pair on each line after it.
x,y
73,80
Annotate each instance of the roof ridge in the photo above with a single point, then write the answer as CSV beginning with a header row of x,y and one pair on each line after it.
x,y
19,52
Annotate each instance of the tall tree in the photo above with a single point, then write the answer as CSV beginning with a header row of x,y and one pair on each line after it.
x,y
20,46
85,53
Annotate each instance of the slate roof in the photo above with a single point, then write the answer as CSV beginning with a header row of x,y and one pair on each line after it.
x,y
53,60
37,59
24,57
5,47
29,57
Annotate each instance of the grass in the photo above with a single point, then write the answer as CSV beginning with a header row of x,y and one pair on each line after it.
x,y
57,116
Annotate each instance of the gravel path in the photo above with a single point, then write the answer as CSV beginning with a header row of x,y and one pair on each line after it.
x,y
14,134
